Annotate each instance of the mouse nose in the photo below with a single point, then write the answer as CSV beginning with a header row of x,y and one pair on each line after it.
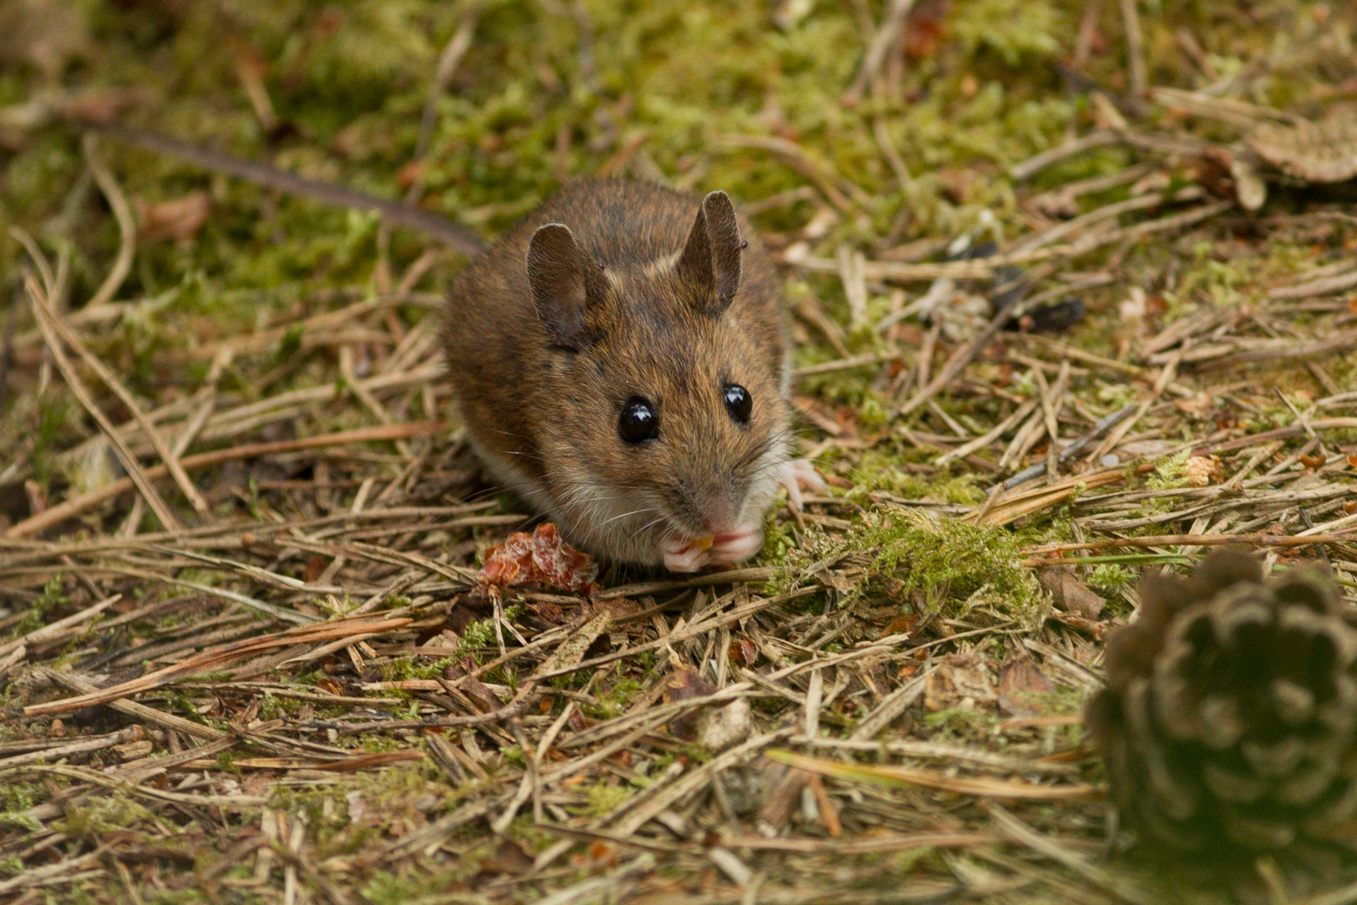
x,y
719,511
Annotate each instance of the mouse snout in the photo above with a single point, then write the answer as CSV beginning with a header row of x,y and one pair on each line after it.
x,y
717,509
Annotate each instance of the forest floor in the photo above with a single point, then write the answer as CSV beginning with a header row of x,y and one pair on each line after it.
x,y
1069,280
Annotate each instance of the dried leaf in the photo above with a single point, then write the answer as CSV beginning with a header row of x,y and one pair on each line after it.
x,y
1021,687
744,652
509,858
1069,593
961,680
179,219
1325,151
1202,471
684,684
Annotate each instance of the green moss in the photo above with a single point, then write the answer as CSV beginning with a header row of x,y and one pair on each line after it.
x,y
411,668
602,798
963,722
880,469
957,566
96,815
18,796
50,599
617,699
1170,473
1018,31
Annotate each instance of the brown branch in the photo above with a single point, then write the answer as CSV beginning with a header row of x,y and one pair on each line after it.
x,y
71,508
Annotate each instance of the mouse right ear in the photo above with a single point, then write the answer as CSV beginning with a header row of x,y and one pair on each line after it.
x,y
560,282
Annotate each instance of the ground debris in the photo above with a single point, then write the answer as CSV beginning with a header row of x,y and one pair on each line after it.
x,y
1048,332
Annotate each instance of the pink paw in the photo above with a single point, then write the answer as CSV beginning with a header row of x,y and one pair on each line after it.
x,y
798,475
684,554
737,547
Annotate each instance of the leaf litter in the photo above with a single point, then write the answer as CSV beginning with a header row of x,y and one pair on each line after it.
x,y
347,671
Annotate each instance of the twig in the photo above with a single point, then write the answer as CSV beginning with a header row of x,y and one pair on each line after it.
x,y
176,471
1021,833
886,35
137,711
1135,49
127,226
1103,425
452,54
961,359
1120,431
1033,165
979,443
218,658
1321,286
71,508
801,160
136,475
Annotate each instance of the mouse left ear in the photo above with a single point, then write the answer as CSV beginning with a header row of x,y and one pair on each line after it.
x,y
710,262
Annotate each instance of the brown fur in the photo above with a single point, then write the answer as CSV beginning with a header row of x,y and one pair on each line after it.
x,y
655,327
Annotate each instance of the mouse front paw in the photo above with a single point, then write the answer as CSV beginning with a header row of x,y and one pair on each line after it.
x,y
685,554
738,546
798,475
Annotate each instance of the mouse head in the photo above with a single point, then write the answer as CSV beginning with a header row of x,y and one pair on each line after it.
x,y
666,417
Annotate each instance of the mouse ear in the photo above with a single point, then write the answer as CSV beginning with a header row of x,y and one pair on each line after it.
x,y
560,281
710,262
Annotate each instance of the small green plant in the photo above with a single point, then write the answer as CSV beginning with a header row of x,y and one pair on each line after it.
x,y
603,799
957,566
50,598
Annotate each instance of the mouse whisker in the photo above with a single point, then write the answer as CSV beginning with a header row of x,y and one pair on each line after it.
x,y
627,514
651,524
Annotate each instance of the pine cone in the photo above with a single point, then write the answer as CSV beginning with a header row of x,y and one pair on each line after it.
x,y
1230,713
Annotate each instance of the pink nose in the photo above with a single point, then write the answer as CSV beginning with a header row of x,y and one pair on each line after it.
x,y
719,509
719,524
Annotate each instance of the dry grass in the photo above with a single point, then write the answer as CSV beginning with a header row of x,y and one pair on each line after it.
x,y
248,653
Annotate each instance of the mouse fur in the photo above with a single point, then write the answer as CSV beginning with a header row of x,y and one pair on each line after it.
x,y
613,291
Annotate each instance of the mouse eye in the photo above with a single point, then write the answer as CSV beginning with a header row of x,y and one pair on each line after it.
x,y
738,402
638,421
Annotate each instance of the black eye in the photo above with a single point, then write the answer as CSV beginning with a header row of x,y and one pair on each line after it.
x,y
738,402
638,421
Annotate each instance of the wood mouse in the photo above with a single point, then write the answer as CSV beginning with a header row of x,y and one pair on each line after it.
x,y
620,360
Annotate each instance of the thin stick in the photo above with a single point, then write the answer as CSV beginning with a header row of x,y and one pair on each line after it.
x,y
960,359
40,261
1135,49
71,508
876,53
127,226
167,455
1052,401
1195,540
1104,424
1023,834
452,54
136,476
1033,165
1120,431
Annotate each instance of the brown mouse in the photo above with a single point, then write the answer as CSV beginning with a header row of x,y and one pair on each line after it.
x,y
620,360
